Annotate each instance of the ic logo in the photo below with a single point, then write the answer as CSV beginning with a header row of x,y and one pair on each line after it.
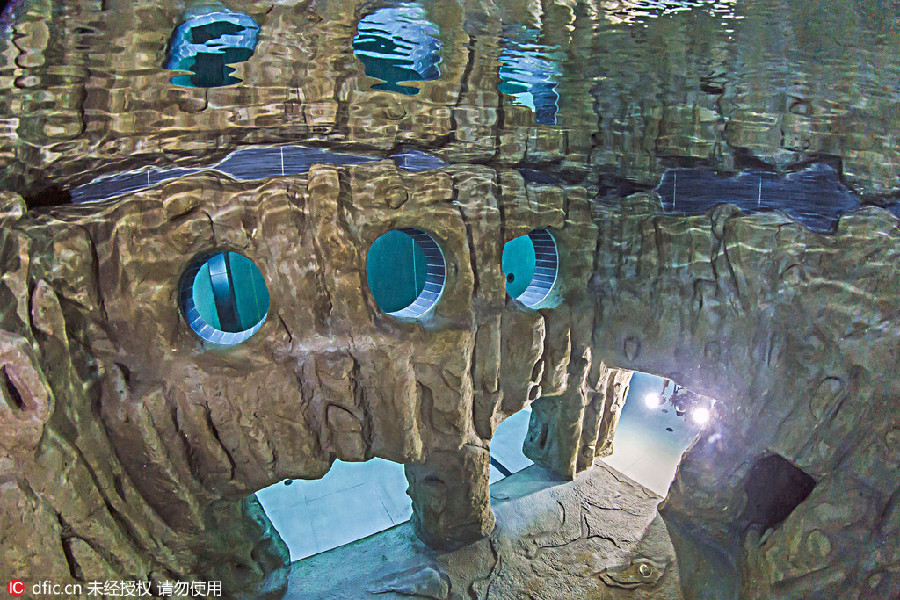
x,y
15,588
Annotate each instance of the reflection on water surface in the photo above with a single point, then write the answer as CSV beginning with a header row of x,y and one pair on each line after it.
x,y
397,45
813,196
529,73
633,90
208,41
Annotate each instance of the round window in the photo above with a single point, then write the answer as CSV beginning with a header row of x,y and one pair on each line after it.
x,y
405,270
530,263
224,298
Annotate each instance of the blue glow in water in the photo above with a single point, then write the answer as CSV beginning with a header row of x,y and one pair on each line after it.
x,y
7,18
208,41
397,44
529,72
814,197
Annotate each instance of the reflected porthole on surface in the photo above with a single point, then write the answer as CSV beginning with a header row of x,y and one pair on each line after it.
x,y
398,44
530,263
530,73
224,298
207,42
405,271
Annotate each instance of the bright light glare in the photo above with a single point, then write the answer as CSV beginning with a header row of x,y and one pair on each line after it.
x,y
653,400
700,415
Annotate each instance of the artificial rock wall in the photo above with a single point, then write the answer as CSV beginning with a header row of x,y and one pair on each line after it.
x,y
796,336
135,445
143,442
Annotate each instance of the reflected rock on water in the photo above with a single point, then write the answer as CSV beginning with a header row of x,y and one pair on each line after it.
x,y
529,73
207,42
396,44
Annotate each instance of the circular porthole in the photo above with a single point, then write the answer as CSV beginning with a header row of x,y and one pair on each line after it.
x,y
530,263
224,298
405,270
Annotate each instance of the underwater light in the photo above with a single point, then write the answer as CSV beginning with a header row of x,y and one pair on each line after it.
x,y
653,400
700,415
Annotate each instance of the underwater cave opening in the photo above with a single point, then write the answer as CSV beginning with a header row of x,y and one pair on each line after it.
x,y
657,424
507,456
530,264
406,272
352,501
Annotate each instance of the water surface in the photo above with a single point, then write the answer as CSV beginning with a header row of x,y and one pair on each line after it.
x,y
633,87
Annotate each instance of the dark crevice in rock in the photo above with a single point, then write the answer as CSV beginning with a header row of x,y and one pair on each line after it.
x,y
541,441
495,568
117,485
188,455
611,187
215,433
425,397
774,488
126,375
124,524
360,401
13,396
745,160
467,72
587,533
66,536
53,195
473,253
287,329
95,273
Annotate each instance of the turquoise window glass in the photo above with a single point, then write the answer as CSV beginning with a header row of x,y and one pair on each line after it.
x,y
224,298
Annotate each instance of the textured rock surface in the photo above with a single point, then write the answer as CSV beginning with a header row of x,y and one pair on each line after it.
x,y
794,335
159,439
583,539
162,432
